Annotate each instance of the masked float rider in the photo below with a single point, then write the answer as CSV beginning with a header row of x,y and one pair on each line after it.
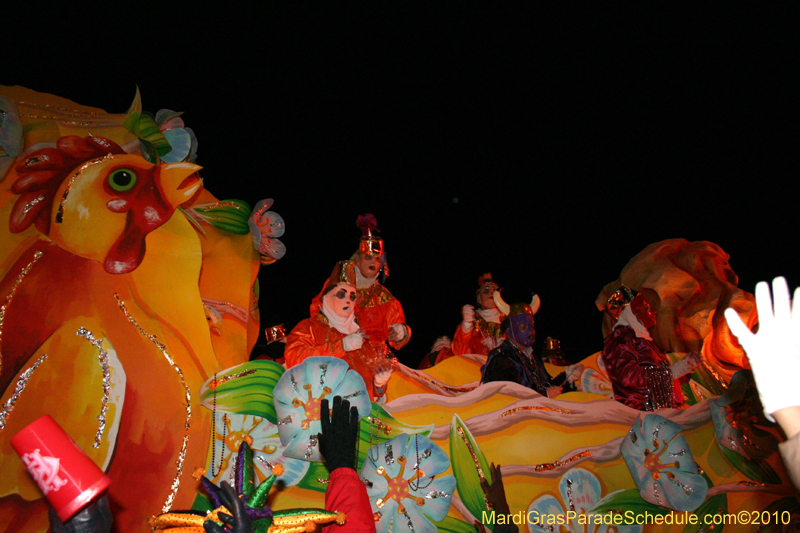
x,y
480,331
379,313
334,331
640,372
514,359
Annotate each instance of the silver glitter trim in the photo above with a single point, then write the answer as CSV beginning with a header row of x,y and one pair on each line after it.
x,y
354,395
425,455
687,490
369,484
32,203
102,142
294,382
678,454
71,182
324,368
10,296
36,159
389,455
22,381
312,443
103,356
569,495
655,493
410,524
188,396
284,421
658,428
436,494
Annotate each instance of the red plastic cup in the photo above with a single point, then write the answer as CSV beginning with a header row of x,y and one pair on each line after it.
x,y
66,476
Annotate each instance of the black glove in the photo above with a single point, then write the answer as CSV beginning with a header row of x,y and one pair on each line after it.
x,y
94,518
240,522
337,442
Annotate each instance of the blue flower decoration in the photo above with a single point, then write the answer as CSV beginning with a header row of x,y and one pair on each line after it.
x,y
580,491
182,139
739,421
404,484
297,397
262,435
661,463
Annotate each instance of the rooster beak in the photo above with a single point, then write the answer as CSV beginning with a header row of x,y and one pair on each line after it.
x,y
178,182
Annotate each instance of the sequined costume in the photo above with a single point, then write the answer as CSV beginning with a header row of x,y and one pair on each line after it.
x,y
638,370
475,340
507,362
314,336
347,493
376,310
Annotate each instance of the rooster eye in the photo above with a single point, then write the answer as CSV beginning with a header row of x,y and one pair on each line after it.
x,y
122,180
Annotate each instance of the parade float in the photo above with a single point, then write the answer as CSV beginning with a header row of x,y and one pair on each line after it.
x,y
129,309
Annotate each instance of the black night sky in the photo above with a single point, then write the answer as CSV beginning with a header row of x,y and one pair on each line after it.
x,y
545,146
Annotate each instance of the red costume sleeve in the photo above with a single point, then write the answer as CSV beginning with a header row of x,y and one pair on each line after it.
x,y
304,342
347,493
469,342
379,310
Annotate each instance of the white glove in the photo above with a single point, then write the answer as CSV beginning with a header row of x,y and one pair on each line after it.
x,y
685,365
397,332
774,352
467,318
353,341
574,372
382,373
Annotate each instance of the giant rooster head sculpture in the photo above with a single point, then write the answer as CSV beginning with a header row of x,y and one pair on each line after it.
x,y
96,201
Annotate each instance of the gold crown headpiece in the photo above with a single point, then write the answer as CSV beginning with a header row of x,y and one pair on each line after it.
x,y
343,272
619,299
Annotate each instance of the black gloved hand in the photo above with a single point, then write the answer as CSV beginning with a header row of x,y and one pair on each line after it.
x,y
240,522
337,442
94,518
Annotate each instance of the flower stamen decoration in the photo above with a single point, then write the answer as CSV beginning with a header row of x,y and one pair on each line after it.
x,y
298,395
312,406
661,463
405,495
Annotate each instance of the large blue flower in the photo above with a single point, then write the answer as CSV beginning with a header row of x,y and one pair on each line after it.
x,y
661,463
739,421
404,483
580,491
297,397
262,435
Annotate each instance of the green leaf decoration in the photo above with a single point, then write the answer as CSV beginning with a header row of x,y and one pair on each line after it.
x,y
194,223
464,452
316,471
454,525
757,471
387,427
778,515
716,505
227,215
244,389
144,126
627,500
202,503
